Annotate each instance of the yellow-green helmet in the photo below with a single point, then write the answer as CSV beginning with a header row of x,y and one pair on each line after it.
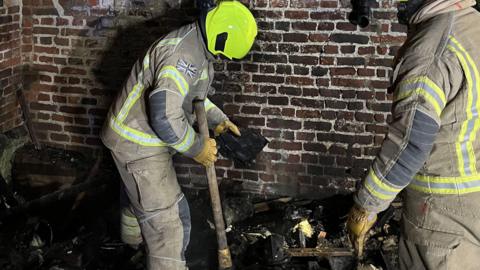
x,y
230,29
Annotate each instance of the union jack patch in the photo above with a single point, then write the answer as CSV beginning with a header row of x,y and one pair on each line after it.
x,y
188,69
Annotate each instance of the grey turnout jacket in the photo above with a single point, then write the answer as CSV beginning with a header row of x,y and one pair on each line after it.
x,y
154,111
432,144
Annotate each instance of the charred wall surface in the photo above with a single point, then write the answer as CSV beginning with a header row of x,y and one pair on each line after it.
x,y
314,84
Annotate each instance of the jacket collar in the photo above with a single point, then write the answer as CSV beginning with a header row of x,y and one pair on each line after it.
x,y
432,8
208,55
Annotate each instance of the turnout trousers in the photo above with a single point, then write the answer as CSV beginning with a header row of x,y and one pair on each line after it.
x,y
440,232
160,207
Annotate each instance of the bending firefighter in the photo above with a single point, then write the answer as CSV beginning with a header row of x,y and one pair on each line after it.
x,y
151,119
431,150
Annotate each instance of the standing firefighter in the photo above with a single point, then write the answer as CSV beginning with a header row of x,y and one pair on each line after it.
x,y
431,149
151,119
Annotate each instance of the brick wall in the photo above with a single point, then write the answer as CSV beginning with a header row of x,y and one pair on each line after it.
x,y
10,42
314,84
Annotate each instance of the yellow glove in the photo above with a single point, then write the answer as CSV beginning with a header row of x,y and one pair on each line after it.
x,y
226,126
208,155
359,222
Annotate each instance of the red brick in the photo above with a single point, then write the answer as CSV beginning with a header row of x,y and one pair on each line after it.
x,y
47,126
295,37
43,97
329,4
278,100
61,21
42,49
308,114
45,30
59,137
325,126
72,110
296,14
42,107
283,124
62,118
278,3
73,90
77,129
316,147
73,71
327,15
285,145
299,80
318,37
306,60
61,41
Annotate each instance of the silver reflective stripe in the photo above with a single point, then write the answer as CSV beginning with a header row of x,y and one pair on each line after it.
x,y
134,135
446,188
465,153
172,72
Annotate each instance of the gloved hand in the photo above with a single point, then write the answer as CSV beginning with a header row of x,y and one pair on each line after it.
x,y
359,222
208,155
226,126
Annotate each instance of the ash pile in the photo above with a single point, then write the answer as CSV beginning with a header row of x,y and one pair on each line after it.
x,y
303,234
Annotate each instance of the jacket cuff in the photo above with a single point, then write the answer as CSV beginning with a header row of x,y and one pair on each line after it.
x,y
367,201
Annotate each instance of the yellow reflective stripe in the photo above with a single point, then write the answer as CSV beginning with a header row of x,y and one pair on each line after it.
x,y
136,92
379,188
172,73
446,185
169,41
208,105
442,179
445,191
204,74
134,135
187,141
382,184
464,148
146,62
423,86
376,193
437,107
132,98
425,80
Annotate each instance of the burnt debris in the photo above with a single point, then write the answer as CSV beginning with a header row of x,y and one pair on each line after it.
x,y
243,149
72,222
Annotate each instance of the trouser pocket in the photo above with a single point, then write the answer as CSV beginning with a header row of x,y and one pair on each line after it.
x,y
156,182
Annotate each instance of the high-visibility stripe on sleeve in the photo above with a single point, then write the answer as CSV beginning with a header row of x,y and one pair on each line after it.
x,y
134,135
379,188
169,41
186,143
172,73
208,105
136,92
466,159
425,87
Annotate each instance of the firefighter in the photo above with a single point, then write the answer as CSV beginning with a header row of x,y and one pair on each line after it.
x,y
431,151
152,116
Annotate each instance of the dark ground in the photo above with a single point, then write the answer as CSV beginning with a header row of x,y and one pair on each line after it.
x,y
82,232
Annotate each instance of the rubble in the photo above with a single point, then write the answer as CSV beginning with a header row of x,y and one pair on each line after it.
x,y
77,227
311,235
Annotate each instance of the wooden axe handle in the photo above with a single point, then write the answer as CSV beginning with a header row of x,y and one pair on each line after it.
x,y
224,258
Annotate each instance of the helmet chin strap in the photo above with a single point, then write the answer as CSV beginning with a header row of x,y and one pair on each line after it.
x,y
204,6
406,9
